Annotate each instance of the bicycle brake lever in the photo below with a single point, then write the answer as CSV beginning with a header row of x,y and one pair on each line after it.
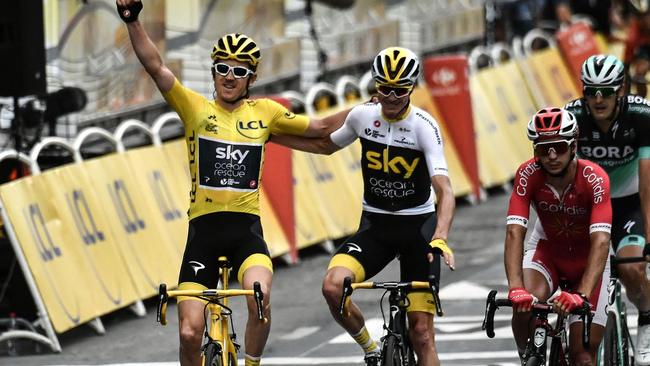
x,y
162,304
259,298
490,309
432,285
347,291
586,318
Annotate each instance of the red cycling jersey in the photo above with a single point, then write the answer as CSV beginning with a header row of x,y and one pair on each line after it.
x,y
568,217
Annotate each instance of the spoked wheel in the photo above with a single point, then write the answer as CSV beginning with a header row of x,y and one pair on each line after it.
x,y
212,355
614,355
390,352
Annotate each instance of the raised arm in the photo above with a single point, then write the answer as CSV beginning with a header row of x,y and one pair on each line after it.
x,y
144,48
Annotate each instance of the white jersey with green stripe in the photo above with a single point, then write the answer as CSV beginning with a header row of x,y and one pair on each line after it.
x,y
618,149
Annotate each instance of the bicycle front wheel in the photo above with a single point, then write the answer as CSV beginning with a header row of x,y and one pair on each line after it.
x,y
212,355
390,352
534,361
617,351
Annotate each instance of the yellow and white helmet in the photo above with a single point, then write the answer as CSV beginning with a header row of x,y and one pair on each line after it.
x,y
236,46
396,66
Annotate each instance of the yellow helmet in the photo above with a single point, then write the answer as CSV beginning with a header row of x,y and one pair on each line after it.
x,y
235,46
396,66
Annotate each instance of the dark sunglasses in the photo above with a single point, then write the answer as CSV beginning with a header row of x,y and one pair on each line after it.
x,y
559,147
604,91
237,71
399,92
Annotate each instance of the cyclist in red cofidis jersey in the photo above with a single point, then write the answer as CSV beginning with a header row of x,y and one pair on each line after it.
x,y
570,239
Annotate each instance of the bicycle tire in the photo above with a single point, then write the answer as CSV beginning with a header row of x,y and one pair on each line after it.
x,y
390,352
557,355
212,355
533,361
232,359
612,354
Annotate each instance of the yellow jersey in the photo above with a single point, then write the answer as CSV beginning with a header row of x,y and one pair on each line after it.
x,y
226,149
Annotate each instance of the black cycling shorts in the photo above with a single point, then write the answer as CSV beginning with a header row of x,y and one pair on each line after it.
x,y
382,237
234,235
627,222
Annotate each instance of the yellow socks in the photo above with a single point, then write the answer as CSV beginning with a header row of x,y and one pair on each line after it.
x,y
364,340
252,360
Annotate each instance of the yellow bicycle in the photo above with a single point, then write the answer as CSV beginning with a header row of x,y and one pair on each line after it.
x,y
220,347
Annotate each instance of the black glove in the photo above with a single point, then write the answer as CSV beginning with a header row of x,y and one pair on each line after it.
x,y
130,13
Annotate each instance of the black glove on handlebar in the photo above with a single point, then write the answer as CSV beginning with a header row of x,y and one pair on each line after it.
x,y
130,13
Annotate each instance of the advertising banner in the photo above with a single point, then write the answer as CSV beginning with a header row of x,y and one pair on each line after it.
x,y
577,43
448,83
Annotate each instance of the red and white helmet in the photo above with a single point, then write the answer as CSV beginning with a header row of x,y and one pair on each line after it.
x,y
549,123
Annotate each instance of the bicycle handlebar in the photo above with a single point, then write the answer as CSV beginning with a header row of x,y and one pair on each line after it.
x,y
164,295
349,287
492,304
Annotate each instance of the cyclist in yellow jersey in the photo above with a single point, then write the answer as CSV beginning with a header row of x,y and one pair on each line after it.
x,y
225,139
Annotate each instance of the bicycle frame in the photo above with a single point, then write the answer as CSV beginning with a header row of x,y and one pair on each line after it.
x,y
536,345
217,329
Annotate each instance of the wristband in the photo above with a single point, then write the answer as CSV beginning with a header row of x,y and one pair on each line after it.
x,y
441,245
130,13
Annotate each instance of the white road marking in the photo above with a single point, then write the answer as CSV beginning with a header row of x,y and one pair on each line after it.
x,y
300,333
340,360
463,290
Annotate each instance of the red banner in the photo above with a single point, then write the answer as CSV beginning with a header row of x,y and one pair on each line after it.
x,y
278,184
448,82
577,43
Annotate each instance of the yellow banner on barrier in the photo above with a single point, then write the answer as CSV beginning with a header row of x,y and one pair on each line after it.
x,y
516,89
148,251
511,106
75,198
327,192
176,157
496,158
161,190
310,227
60,273
459,180
550,74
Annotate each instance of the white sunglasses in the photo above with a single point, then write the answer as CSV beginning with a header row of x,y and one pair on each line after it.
x,y
238,72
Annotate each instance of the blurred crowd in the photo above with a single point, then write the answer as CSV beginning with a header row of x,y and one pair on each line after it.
x,y
626,21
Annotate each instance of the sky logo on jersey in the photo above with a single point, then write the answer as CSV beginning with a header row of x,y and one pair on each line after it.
x,y
230,153
228,165
397,164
